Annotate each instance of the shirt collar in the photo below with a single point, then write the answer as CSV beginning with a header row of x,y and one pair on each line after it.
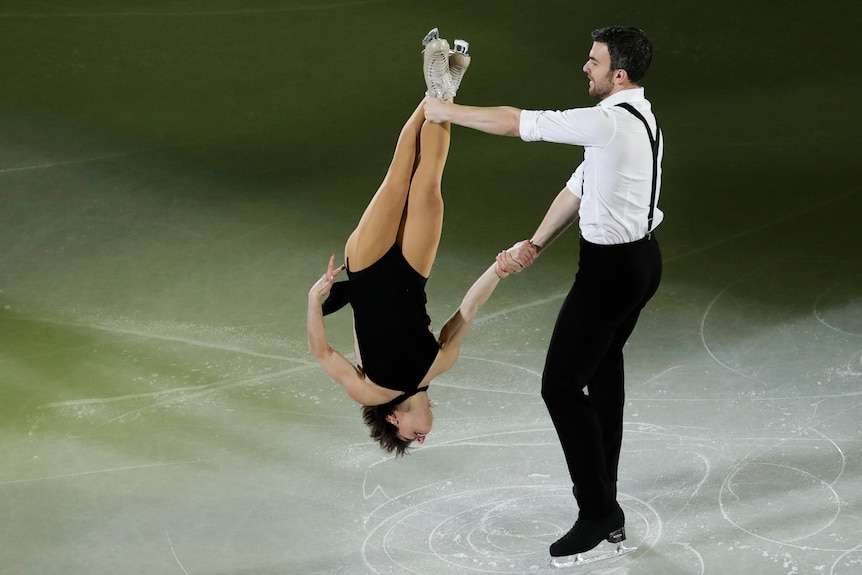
x,y
629,95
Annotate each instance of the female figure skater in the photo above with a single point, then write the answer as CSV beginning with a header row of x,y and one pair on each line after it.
x,y
388,260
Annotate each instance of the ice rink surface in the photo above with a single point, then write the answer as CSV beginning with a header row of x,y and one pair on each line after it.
x,y
174,176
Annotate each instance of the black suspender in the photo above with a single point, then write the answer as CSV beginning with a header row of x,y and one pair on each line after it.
x,y
654,144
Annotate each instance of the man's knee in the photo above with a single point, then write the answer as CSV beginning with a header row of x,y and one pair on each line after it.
x,y
559,387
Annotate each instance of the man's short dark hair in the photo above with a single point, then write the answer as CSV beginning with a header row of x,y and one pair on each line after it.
x,y
629,47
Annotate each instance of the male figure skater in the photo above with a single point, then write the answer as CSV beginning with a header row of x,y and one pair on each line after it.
x,y
614,192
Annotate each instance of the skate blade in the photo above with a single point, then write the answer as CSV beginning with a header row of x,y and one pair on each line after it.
x,y
592,556
433,34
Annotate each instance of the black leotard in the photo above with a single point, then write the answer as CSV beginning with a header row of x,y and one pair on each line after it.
x,y
392,324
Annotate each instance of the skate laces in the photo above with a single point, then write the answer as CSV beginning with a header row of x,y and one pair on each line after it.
x,y
437,73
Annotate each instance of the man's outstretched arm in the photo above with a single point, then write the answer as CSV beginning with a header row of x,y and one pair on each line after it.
x,y
497,120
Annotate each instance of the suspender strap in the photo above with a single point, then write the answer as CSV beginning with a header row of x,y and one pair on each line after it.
x,y
654,144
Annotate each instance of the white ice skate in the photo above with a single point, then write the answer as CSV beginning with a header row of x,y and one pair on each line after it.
x,y
435,66
459,60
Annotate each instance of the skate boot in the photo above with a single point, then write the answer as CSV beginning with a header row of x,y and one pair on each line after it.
x,y
588,533
459,60
435,66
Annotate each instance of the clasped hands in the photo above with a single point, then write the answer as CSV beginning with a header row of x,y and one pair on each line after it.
x,y
520,256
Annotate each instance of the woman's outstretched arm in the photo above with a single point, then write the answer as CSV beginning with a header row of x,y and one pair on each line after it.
x,y
457,326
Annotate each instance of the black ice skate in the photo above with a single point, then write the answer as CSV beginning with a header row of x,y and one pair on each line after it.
x,y
585,535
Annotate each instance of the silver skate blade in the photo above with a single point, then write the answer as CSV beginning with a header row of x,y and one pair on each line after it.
x,y
461,47
433,34
601,553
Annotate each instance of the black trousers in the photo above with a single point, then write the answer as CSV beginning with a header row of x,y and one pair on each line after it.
x,y
612,286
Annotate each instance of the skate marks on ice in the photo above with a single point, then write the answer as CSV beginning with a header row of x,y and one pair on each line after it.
x,y
64,163
443,529
806,341
755,458
166,367
792,369
493,503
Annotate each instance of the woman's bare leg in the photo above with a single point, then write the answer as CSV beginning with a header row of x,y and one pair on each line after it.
x,y
422,223
379,225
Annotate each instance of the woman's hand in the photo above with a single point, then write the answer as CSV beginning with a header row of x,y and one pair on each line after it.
x,y
322,286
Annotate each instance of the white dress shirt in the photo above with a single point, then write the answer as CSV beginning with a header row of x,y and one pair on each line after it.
x,y
614,182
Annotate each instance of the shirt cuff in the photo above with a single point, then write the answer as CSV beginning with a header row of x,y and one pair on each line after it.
x,y
527,127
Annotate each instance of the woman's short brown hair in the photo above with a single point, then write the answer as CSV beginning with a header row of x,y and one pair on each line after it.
x,y
383,432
